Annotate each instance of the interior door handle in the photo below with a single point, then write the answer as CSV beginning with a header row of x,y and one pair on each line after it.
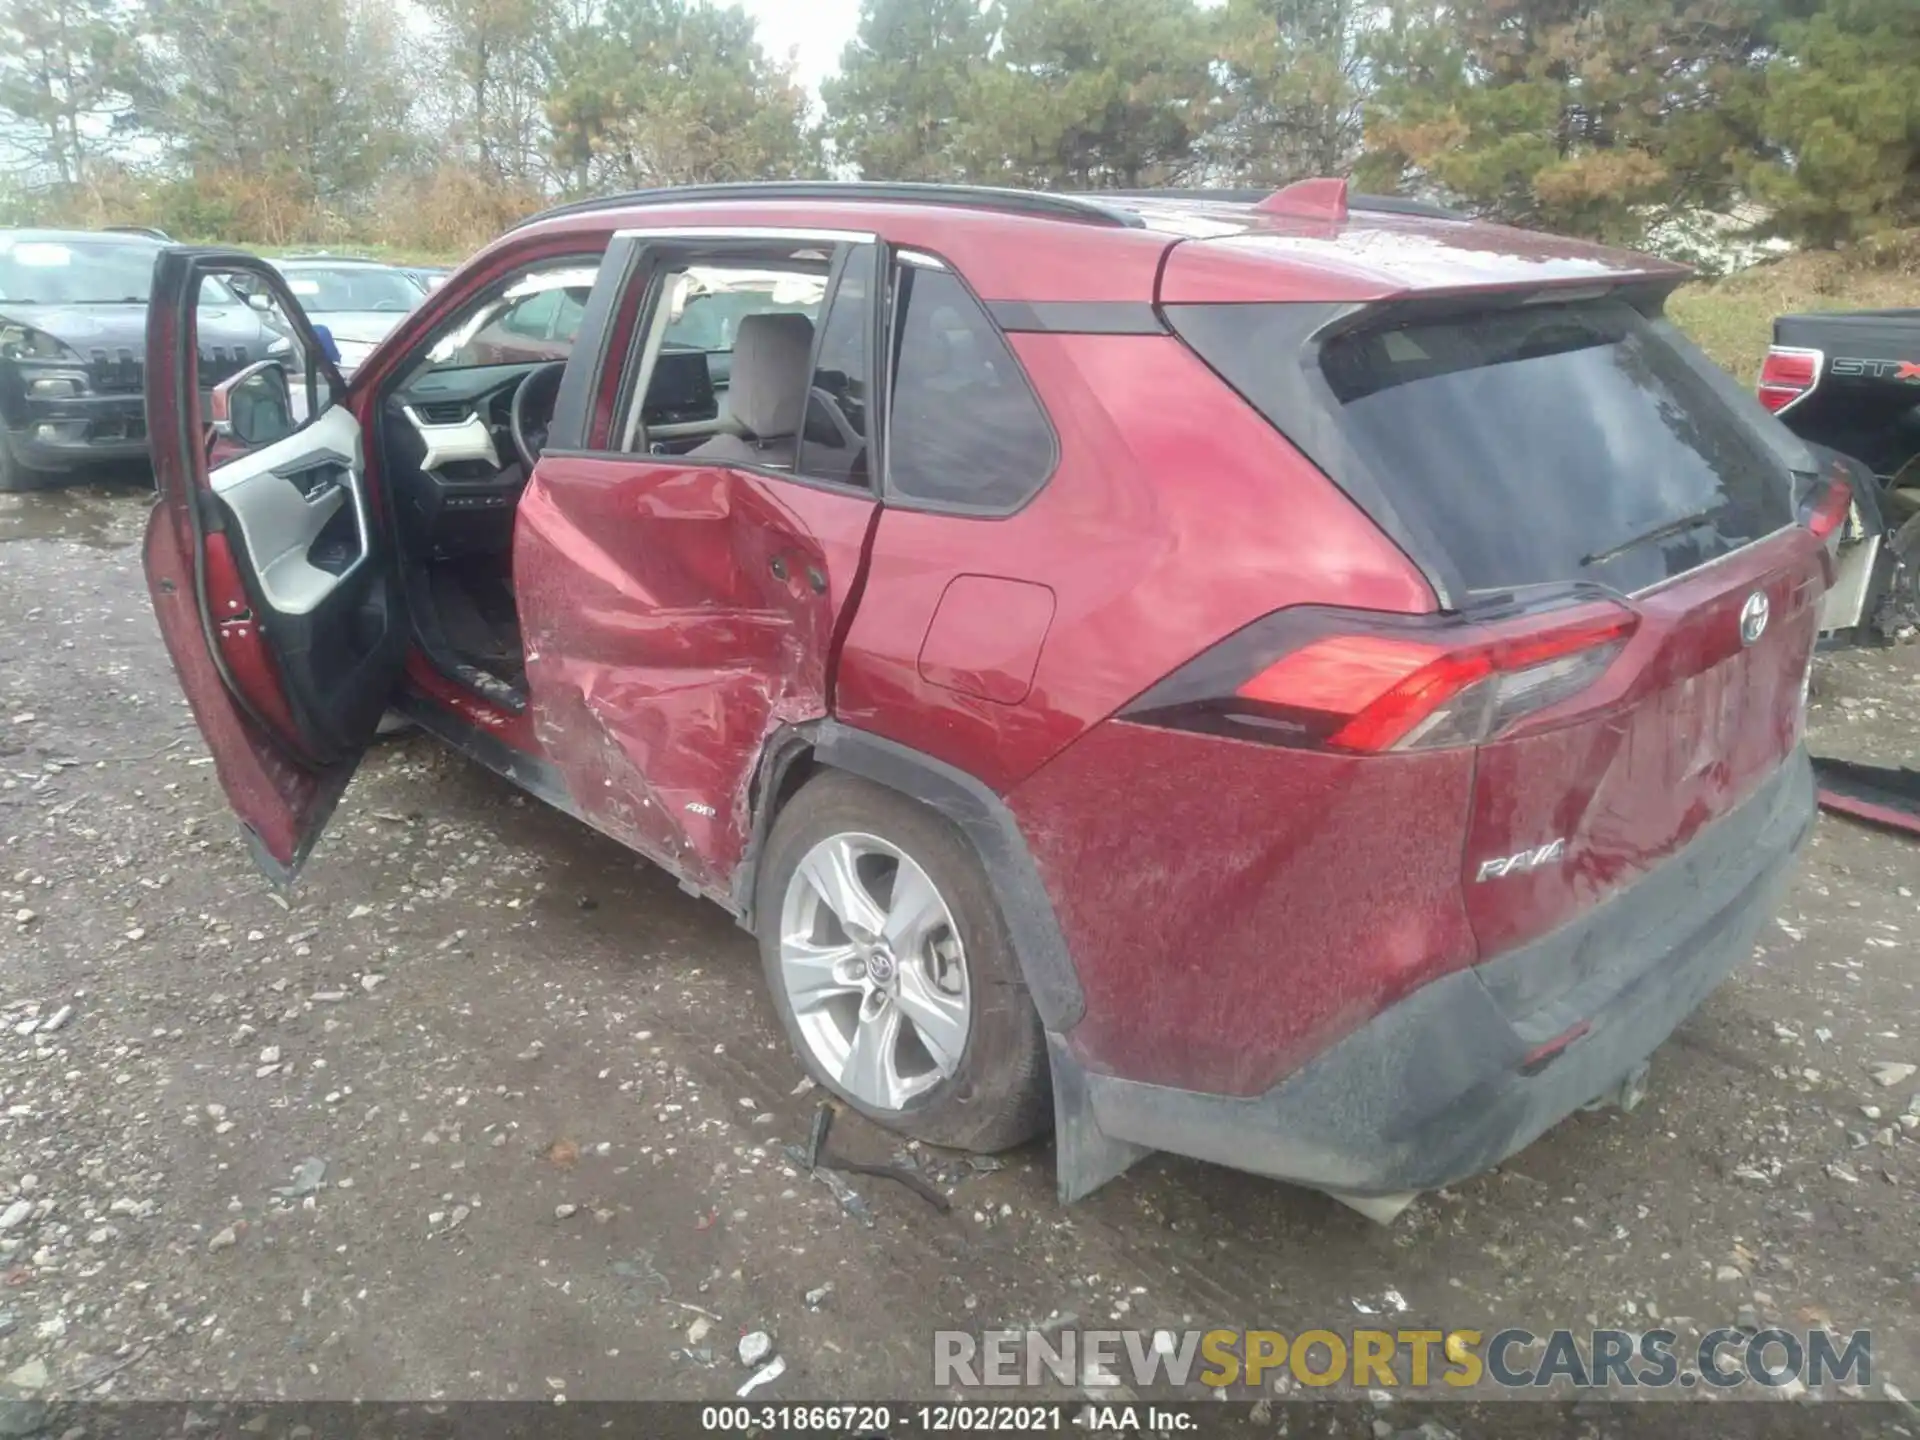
x,y
318,483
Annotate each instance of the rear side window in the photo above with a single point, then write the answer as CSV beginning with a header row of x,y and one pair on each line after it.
x,y
1532,444
965,431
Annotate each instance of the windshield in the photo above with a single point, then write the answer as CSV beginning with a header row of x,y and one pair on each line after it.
x,y
323,291
535,318
76,272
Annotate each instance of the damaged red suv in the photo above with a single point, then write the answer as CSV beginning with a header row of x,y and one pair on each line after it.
x,y
1308,682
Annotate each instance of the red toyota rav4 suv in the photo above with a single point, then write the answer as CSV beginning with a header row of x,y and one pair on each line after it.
x,y
1312,683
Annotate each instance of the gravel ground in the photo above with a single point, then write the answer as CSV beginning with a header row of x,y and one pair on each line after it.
x,y
488,1108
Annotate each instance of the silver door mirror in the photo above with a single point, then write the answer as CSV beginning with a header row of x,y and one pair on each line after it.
x,y
254,406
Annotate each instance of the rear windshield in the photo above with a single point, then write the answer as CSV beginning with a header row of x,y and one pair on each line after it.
x,y
1527,445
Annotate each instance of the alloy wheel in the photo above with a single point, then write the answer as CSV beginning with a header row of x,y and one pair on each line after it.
x,y
874,970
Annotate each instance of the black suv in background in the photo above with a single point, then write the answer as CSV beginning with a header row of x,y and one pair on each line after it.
x,y
73,327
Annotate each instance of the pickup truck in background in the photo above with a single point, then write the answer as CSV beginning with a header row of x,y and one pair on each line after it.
x,y
1850,382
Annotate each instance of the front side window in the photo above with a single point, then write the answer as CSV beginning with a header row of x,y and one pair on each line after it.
x,y
258,381
725,367
965,430
835,443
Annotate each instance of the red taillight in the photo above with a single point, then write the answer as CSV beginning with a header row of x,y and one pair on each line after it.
x,y
1829,512
1787,375
1368,683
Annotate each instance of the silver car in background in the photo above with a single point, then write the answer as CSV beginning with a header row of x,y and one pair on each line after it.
x,y
358,301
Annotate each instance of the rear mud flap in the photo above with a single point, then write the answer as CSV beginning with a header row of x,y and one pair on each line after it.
x,y
1084,1156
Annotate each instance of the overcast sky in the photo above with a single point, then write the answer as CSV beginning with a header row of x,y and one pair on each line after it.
x,y
816,31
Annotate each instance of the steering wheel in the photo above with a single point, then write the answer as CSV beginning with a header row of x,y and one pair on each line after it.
x,y
529,422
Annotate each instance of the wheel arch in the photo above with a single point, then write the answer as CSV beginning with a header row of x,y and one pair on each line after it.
x,y
794,754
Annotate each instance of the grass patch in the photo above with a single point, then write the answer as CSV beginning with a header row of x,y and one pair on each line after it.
x,y
389,254
1732,319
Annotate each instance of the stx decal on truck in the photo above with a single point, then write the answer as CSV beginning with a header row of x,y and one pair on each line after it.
x,y
1907,370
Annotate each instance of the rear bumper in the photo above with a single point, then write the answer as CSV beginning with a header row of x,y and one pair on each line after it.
x,y
1431,1090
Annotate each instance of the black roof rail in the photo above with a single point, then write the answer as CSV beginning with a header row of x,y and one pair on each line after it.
x,y
1229,195
149,231
1402,205
1381,204
1083,209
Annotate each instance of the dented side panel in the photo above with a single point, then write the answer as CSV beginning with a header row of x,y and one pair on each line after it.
x,y
1241,907
675,614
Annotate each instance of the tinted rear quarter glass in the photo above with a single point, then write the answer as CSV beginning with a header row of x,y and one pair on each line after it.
x,y
1524,445
965,431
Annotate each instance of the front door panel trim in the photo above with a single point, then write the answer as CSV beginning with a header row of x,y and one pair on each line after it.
x,y
278,521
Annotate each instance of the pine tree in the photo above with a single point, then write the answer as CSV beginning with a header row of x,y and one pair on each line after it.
x,y
1590,117
904,87
1842,110
67,71
1091,94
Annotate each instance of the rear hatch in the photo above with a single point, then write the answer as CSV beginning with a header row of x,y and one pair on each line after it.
x,y
1613,534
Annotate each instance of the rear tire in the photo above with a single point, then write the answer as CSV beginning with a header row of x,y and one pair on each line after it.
x,y
913,1010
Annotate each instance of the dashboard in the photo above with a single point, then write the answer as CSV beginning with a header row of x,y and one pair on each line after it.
x,y
455,469
452,463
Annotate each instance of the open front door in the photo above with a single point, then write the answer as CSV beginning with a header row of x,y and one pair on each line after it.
x,y
274,584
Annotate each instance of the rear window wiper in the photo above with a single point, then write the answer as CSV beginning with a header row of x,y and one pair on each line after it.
x,y
1661,532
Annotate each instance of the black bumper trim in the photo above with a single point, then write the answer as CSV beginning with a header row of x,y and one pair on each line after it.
x,y
123,413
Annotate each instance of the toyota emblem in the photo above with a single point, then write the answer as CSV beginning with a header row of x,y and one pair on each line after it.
x,y
1753,617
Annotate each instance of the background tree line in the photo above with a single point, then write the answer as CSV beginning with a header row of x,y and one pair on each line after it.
x,y
429,124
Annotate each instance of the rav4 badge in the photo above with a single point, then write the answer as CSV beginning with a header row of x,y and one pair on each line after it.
x,y
1524,861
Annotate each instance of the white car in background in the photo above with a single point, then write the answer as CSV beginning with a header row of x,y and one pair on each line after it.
x,y
358,301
